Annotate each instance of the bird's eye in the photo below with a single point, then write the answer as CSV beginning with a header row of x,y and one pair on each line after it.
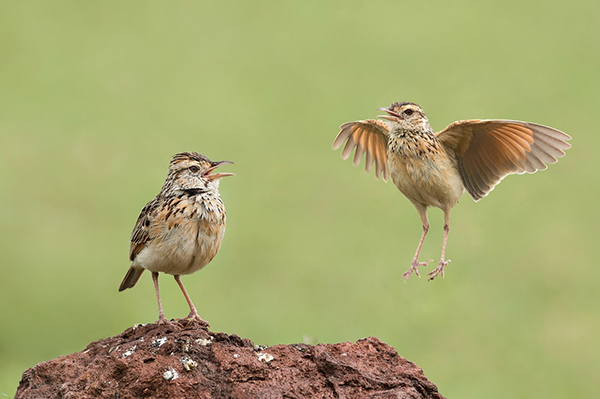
x,y
408,112
194,169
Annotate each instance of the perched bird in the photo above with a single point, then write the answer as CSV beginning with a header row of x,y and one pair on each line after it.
x,y
434,169
180,231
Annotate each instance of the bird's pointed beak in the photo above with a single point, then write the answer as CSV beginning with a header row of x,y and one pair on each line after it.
x,y
214,176
392,116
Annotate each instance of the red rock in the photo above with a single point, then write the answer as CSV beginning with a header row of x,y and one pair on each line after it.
x,y
190,362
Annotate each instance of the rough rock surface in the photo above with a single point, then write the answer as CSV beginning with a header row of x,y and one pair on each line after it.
x,y
186,361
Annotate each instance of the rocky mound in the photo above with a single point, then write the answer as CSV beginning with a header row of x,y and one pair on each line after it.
x,y
185,361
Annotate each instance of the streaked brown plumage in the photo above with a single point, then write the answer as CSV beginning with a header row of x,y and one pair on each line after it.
x,y
180,231
433,169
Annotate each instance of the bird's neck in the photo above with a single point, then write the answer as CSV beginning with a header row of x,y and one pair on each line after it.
x,y
178,187
194,191
412,143
181,192
401,133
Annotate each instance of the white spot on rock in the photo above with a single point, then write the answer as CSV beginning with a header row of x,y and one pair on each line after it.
x,y
188,364
264,357
129,352
170,374
204,341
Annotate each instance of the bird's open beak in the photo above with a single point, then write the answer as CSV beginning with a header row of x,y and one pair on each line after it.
x,y
393,116
215,165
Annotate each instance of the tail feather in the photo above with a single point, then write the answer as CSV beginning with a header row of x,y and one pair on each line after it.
x,y
132,277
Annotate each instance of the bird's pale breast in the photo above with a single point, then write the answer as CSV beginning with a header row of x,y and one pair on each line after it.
x,y
184,237
425,174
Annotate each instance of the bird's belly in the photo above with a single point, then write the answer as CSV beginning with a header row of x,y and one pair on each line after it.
x,y
182,249
427,182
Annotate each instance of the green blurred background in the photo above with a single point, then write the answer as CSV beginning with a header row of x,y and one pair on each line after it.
x,y
97,96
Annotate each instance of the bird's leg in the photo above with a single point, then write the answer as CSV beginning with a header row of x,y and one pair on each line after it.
x,y
440,268
414,266
193,312
161,316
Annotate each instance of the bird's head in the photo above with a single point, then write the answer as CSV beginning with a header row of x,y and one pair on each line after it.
x,y
193,171
405,116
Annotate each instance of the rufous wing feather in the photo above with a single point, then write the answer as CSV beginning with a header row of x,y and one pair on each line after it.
x,y
489,150
369,137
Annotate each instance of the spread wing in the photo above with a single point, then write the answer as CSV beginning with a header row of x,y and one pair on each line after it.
x,y
369,136
489,150
141,232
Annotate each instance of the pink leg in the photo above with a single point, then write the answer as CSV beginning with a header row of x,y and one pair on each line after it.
x,y
161,316
414,266
193,312
440,268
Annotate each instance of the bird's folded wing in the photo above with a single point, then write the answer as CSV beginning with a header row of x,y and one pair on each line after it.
x,y
488,150
369,136
141,231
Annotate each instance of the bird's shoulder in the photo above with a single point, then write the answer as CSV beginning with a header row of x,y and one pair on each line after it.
x,y
141,231
458,135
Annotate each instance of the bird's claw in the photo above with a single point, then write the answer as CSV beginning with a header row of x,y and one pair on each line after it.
x,y
163,321
414,267
194,317
439,270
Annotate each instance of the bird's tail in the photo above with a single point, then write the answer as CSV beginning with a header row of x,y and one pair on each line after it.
x,y
132,277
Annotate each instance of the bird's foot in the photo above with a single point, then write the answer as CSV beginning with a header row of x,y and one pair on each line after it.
x,y
414,267
162,321
195,318
438,270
